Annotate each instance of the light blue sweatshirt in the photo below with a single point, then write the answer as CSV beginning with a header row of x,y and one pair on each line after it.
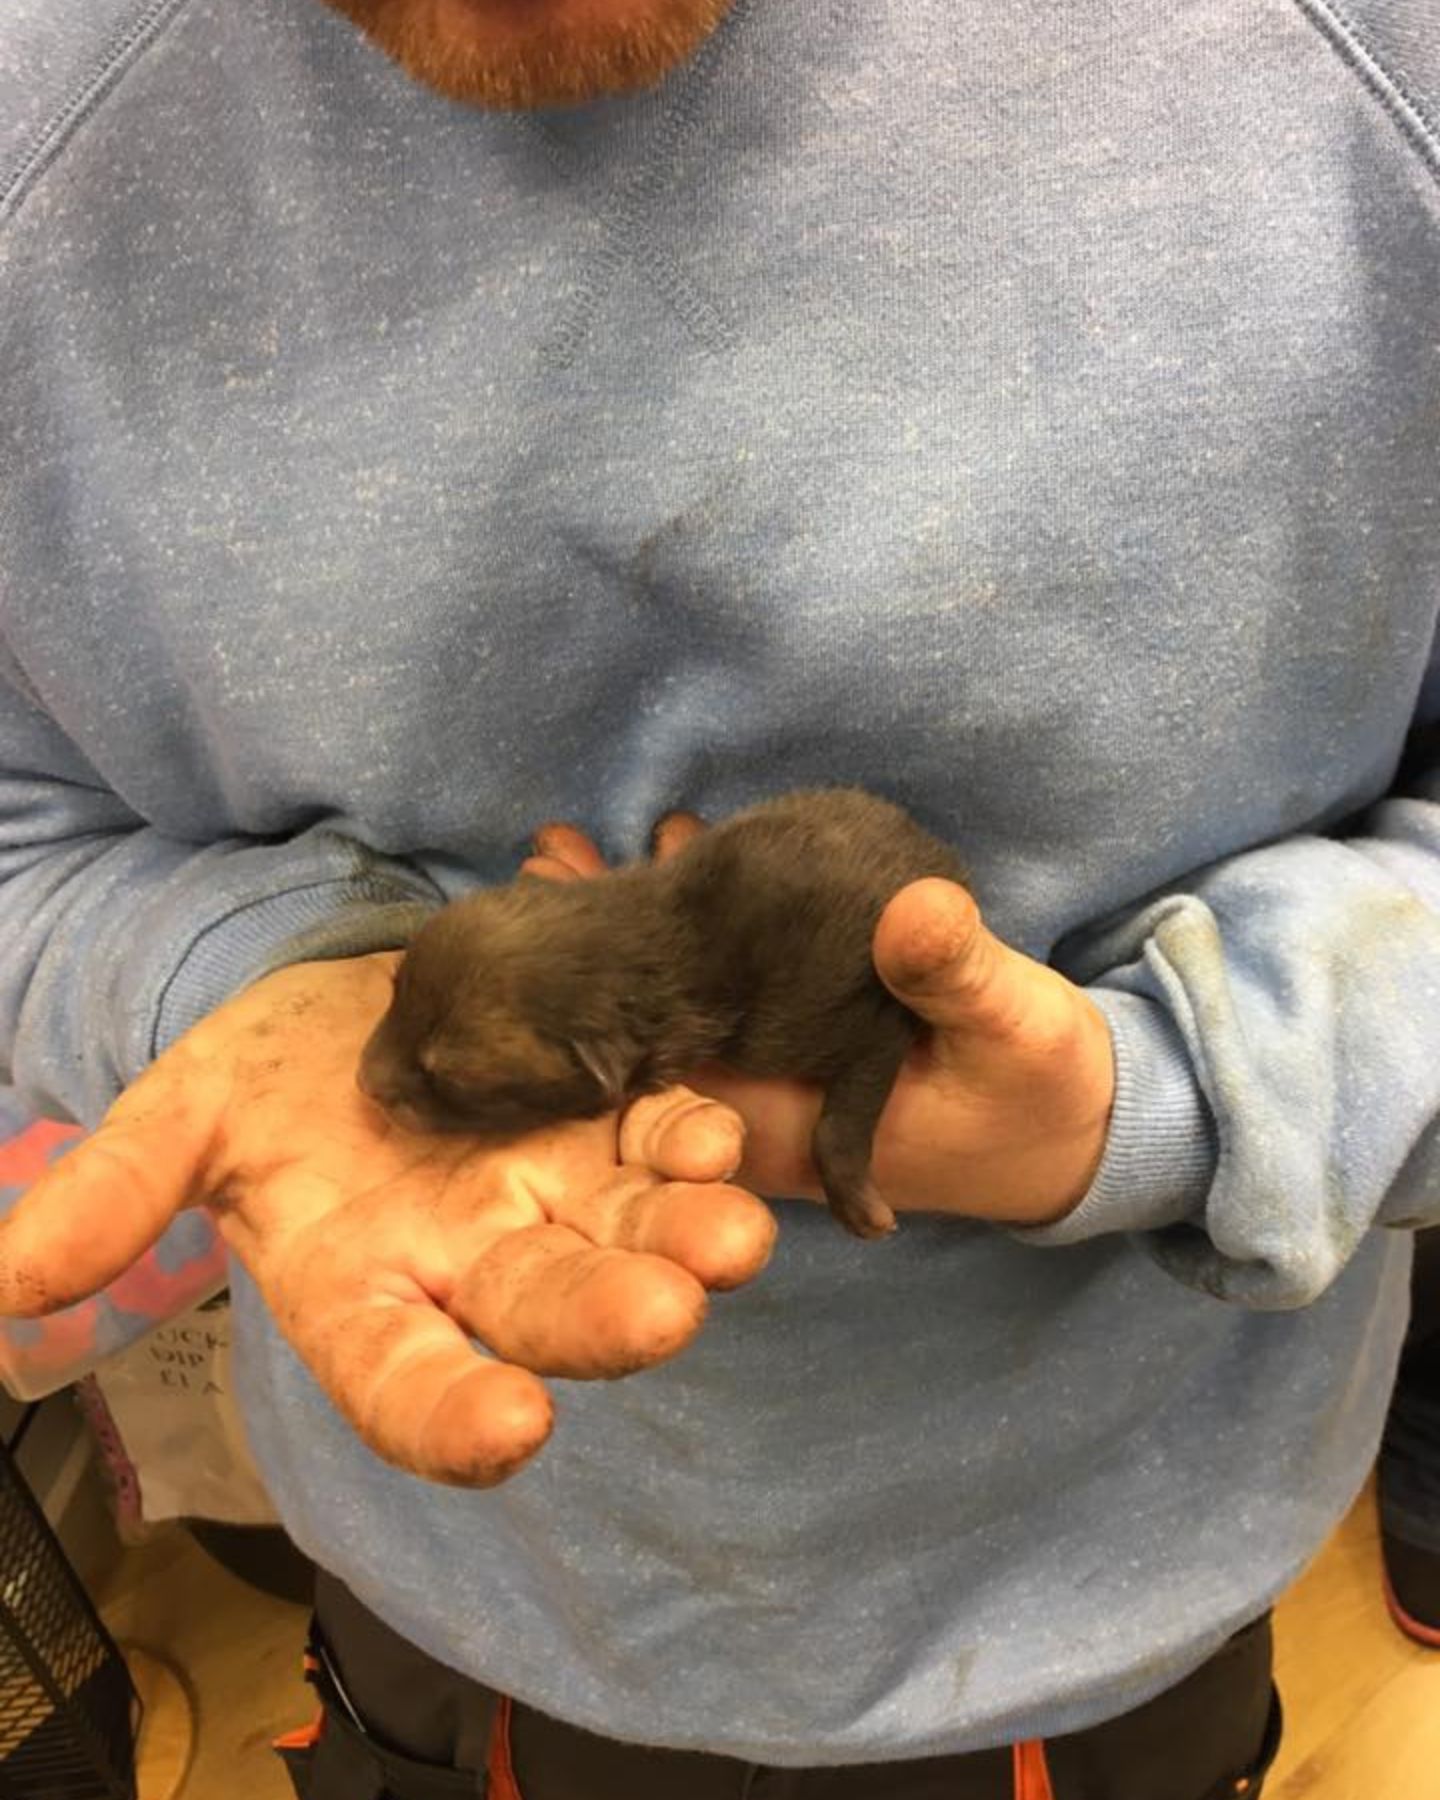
x,y
1029,412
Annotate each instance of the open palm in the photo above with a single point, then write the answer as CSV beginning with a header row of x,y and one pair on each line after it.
x,y
383,1253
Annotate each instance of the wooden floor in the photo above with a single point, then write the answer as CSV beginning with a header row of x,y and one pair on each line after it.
x,y
219,1663
1362,1703
231,1672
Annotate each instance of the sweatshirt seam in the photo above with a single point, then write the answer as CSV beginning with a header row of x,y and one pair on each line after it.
x,y
624,236
218,923
82,101
1405,106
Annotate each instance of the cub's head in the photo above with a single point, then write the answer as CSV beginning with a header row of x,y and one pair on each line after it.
x,y
484,1031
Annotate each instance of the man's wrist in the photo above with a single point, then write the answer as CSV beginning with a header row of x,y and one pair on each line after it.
x,y
320,922
1159,1152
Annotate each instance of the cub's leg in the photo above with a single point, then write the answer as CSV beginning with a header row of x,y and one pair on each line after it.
x,y
845,1132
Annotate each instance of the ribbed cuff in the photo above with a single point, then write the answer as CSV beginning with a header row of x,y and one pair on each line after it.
x,y
1160,1156
328,919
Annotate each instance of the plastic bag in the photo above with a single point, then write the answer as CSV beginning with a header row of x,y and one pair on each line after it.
x,y
174,1426
186,1266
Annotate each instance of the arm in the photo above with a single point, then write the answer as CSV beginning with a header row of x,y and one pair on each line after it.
x,y
383,1255
1245,1072
1277,1034
114,940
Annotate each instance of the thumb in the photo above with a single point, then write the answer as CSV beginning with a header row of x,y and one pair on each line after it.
x,y
937,956
105,1202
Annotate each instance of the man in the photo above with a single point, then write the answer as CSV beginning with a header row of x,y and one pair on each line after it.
x,y
1031,417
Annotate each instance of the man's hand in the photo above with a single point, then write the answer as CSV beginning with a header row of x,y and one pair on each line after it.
x,y
382,1252
1000,1112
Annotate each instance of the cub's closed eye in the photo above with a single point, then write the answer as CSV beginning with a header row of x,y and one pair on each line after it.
x,y
447,1081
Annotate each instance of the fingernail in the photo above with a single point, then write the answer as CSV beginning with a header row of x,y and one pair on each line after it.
x,y
727,1140
732,1165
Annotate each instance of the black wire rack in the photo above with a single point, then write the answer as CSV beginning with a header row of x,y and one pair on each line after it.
x,y
68,1711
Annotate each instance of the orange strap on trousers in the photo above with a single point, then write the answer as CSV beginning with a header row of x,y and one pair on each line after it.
x,y
1032,1773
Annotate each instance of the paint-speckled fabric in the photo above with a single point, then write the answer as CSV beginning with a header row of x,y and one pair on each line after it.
x,y
1031,412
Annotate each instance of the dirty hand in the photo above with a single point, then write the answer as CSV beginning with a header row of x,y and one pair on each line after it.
x,y
1002,1108
381,1252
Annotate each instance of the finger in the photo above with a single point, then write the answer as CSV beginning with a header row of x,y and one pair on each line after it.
x,y
672,833
567,844
549,868
723,1236
780,1118
420,1395
935,953
682,1135
105,1203
550,1299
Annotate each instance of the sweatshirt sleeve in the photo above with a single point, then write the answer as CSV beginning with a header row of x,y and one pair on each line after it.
x,y
115,939
1276,1023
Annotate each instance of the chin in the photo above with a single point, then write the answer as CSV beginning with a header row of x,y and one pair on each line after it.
x,y
526,54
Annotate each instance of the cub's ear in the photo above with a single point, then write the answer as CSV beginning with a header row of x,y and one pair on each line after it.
x,y
606,1064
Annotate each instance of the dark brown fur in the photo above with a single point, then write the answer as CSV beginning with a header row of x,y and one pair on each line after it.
x,y
519,1006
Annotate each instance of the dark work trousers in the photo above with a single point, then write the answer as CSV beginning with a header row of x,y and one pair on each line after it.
x,y
397,1725
1410,1454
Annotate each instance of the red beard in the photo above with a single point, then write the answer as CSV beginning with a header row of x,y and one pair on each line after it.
x,y
533,53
